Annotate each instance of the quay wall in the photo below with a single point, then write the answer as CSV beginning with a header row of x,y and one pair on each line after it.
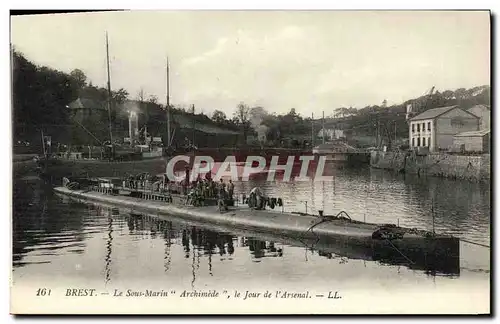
x,y
467,167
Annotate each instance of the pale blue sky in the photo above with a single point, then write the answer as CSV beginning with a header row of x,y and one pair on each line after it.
x,y
313,61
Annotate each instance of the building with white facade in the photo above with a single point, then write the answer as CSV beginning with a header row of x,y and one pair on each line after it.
x,y
435,128
331,134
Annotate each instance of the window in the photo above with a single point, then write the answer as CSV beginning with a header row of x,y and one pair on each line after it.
x,y
429,126
418,141
413,142
413,128
423,142
429,141
418,127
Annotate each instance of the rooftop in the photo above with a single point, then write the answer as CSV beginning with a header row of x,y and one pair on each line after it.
x,y
479,133
476,107
433,113
85,103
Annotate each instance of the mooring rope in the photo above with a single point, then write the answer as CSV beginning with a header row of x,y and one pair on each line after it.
x,y
329,219
310,229
400,251
323,219
475,243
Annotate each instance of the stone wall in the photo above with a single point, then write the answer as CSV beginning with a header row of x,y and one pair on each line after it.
x,y
388,160
473,167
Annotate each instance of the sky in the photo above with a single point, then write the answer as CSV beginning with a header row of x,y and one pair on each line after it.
x,y
312,61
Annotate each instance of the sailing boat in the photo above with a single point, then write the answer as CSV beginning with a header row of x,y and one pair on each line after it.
x,y
56,168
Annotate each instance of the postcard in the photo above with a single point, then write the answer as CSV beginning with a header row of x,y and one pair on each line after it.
x,y
251,162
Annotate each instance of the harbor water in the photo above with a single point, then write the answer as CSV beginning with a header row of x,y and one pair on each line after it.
x,y
59,242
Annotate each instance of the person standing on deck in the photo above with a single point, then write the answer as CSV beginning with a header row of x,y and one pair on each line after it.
x,y
212,192
255,200
230,189
167,184
187,175
205,188
221,203
208,176
222,185
131,181
199,188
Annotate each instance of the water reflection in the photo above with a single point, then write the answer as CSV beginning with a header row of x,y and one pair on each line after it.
x,y
37,230
49,229
202,241
167,232
262,249
461,208
109,243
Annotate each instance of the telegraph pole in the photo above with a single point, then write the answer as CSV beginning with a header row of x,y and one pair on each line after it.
x,y
169,140
141,103
395,132
378,132
323,131
109,92
194,130
312,130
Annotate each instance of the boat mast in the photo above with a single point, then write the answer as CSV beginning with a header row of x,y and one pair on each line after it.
x,y
43,143
168,106
323,131
312,130
109,90
194,126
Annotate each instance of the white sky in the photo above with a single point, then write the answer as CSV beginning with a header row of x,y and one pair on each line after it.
x,y
312,61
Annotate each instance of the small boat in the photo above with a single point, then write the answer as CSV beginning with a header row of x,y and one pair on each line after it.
x,y
348,236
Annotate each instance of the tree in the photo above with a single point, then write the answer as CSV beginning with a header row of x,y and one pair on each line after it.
x,y
40,97
79,78
258,112
153,99
242,116
352,111
242,113
343,112
219,117
461,93
448,94
256,116
120,96
337,112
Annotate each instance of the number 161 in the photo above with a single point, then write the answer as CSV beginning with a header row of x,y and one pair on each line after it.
x,y
43,292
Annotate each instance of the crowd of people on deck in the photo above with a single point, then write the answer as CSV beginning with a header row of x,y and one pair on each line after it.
x,y
196,191
207,188
199,190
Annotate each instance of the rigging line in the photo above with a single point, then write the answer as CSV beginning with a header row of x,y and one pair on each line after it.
x,y
400,251
310,229
90,133
322,220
